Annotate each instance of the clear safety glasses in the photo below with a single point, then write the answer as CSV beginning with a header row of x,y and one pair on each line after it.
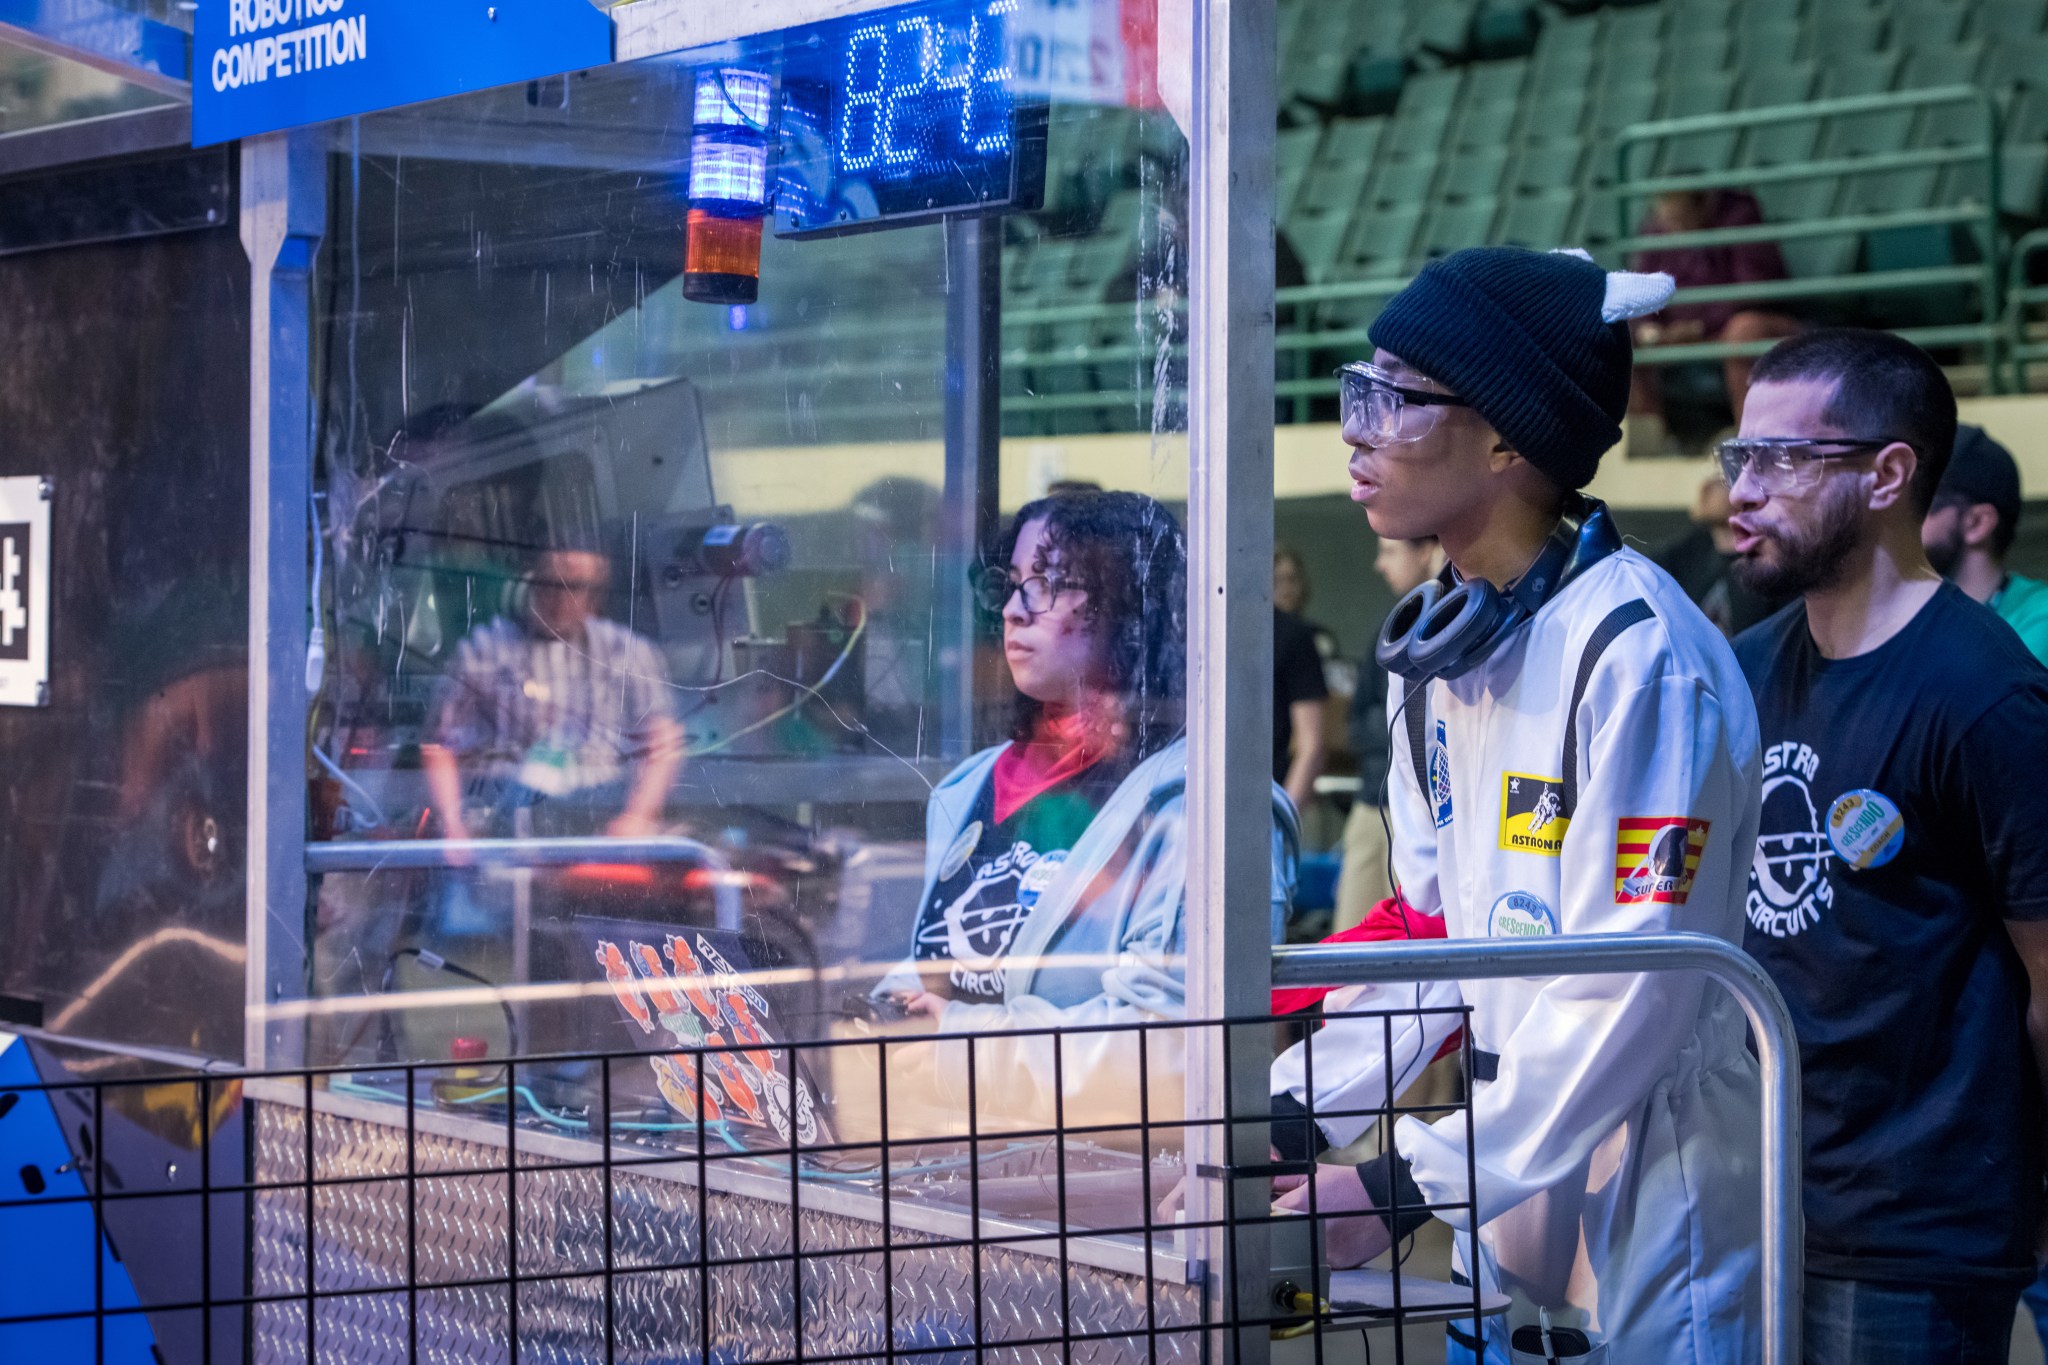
x,y
1788,464
993,588
1380,411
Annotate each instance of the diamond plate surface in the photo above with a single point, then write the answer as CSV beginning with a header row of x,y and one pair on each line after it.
x,y
844,1307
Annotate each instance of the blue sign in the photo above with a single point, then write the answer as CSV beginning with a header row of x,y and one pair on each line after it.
x,y
905,114
262,65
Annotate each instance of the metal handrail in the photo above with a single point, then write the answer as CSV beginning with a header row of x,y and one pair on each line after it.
x,y
2018,294
1605,954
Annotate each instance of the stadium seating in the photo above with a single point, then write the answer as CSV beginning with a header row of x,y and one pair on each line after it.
x,y
1411,128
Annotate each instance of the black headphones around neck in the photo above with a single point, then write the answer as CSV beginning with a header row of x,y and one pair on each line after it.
x,y
1449,625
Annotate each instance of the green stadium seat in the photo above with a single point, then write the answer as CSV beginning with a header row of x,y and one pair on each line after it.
x,y
1443,27
1687,54
1691,18
1404,180
1765,85
2026,116
1332,187
1917,22
1553,113
1474,173
1623,104
2022,172
1505,28
1846,32
1373,82
1756,13
1566,52
1888,191
1463,223
2001,20
1318,239
1872,134
1537,220
1548,166
1485,125
1938,64
1294,152
1352,139
1768,45
1779,144
1867,73
2017,62
1382,242
1593,219
1960,124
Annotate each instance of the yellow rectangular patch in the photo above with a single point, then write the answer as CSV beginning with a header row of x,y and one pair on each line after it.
x,y
1532,818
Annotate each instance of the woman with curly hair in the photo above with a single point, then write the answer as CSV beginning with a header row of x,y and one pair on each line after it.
x,y
1055,863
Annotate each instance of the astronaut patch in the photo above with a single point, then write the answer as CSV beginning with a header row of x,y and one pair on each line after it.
x,y
1865,829
1655,859
1519,914
1532,818
1440,777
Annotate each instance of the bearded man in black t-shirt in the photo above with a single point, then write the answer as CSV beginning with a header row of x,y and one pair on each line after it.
x,y
1899,894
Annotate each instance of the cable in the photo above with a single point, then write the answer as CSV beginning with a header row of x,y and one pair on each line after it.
x,y
806,691
434,962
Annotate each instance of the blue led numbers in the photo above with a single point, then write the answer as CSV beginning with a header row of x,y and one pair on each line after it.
x,y
906,115
926,62
867,77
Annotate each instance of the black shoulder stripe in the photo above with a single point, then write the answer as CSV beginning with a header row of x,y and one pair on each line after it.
x,y
1604,634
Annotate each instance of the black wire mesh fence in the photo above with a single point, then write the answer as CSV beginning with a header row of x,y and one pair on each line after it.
x,y
994,1199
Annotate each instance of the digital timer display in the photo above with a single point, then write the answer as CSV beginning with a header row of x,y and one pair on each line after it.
x,y
905,114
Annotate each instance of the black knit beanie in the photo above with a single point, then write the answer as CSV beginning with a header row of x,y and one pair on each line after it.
x,y
1536,341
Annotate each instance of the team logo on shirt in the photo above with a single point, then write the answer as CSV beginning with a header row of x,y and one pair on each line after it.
x,y
1532,818
1789,888
1865,829
1518,914
1656,858
1440,776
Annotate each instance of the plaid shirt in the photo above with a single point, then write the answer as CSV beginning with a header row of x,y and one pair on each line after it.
x,y
554,714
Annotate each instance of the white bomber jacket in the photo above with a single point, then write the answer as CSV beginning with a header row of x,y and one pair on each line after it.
x,y
1615,1145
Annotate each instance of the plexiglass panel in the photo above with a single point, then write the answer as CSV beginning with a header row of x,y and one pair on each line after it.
x,y
703,669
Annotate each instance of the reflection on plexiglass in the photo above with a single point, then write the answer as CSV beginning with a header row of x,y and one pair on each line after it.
x,y
689,583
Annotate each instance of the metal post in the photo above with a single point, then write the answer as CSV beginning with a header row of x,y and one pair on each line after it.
x,y
1594,954
1230,649
968,512
284,213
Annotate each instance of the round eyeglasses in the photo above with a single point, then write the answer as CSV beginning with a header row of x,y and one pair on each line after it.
x,y
1379,410
993,589
1788,464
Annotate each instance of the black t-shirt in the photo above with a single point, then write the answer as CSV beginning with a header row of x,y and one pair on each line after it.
x,y
1297,676
1904,810
993,874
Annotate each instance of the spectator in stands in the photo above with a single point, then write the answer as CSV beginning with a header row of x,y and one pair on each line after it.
x,y
1362,880
1055,866
1696,266
1703,562
1899,895
1970,528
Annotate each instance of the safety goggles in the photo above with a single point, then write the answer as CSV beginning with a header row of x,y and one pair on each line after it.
x,y
993,589
1380,411
1788,464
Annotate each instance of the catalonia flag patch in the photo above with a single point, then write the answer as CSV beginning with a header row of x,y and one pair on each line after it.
x,y
1656,858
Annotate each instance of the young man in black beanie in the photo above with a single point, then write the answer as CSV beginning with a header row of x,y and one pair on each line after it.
x,y
1575,752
